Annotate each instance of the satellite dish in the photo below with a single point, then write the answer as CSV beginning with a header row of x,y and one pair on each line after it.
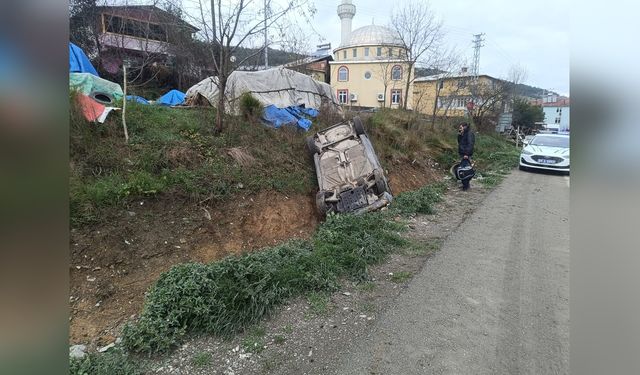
x,y
232,59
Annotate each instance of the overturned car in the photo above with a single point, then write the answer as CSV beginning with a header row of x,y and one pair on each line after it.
x,y
350,178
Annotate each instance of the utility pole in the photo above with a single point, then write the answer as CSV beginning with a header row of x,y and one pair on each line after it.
x,y
477,44
266,45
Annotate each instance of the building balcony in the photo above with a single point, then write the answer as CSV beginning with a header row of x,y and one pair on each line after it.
x,y
133,43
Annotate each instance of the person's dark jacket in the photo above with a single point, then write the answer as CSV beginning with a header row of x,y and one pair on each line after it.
x,y
466,140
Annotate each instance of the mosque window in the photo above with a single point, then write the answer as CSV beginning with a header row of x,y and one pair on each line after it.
x,y
343,73
396,73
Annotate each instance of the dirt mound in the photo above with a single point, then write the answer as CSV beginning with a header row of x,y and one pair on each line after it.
x,y
113,265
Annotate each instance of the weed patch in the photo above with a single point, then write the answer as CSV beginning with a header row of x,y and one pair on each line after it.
x,y
202,359
401,277
318,303
227,296
112,362
420,201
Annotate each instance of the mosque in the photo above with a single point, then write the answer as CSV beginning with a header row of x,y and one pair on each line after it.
x,y
369,67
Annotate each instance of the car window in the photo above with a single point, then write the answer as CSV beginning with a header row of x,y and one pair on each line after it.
x,y
541,140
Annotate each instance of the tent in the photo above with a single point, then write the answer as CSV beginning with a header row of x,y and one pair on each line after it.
x,y
173,97
280,87
79,62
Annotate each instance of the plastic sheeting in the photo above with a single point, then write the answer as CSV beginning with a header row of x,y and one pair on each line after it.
x,y
138,99
278,117
279,87
79,62
173,97
101,90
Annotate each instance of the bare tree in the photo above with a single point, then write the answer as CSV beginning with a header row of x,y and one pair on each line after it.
x,y
491,97
231,25
420,32
449,62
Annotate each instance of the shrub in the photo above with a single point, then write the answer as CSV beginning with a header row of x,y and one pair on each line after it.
x,y
250,107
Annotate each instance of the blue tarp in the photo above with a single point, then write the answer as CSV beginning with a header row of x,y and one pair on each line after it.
x,y
277,117
138,99
173,97
79,62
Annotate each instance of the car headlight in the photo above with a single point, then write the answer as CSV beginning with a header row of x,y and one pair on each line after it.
x,y
527,152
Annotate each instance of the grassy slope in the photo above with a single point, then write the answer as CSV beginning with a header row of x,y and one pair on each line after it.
x,y
172,152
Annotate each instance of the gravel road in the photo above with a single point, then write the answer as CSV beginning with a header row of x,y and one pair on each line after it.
x,y
494,300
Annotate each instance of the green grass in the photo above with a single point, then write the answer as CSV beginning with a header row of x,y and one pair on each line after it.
x,y
419,201
401,277
367,286
253,342
235,293
113,362
318,303
173,153
201,360
423,247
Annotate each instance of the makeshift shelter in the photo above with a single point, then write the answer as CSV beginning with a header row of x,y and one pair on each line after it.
x,y
280,87
79,62
101,90
173,97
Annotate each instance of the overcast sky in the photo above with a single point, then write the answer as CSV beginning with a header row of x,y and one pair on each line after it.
x,y
533,34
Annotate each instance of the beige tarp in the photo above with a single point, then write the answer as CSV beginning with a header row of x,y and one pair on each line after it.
x,y
278,86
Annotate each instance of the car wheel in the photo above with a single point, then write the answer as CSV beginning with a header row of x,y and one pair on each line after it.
x,y
321,204
359,127
312,147
381,182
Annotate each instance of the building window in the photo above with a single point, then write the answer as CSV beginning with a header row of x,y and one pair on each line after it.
x,y
557,120
396,96
379,51
366,51
343,96
343,73
367,75
355,52
390,52
462,83
344,54
441,85
396,73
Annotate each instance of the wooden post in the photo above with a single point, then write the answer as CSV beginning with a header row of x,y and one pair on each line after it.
x,y
124,103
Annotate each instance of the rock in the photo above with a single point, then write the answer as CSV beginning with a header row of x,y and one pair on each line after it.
x,y
131,213
118,340
362,316
107,347
346,293
182,240
77,351
91,278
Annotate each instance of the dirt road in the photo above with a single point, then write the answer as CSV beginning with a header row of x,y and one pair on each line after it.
x,y
494,300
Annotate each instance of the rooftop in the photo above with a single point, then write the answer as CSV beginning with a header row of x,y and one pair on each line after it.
x,y
373,35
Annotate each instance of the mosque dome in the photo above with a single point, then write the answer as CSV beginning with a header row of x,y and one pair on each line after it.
x,y
372,35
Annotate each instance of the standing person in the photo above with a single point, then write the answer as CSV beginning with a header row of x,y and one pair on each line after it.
x,y
466,140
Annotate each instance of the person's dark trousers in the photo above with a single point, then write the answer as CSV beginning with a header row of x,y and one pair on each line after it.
x,y
465,182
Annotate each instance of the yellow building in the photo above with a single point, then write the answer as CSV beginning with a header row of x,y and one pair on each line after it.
x,y
450,94
369,67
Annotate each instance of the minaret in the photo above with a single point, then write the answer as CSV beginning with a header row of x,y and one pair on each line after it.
x,y
346,11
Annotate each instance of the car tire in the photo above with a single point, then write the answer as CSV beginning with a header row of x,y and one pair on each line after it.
x,y
358,126
381,182
321,204
312,147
